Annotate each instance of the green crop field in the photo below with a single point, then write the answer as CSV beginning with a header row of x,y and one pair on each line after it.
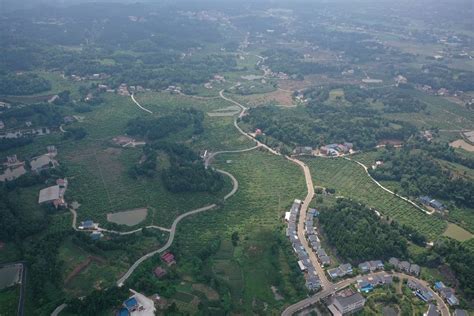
x,y
9,300
267,186
439,113
458,233
351,181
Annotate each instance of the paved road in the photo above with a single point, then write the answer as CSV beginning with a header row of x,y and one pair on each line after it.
x,y
209,158
170,240
301,222
328,287
309,196
138,104
58,309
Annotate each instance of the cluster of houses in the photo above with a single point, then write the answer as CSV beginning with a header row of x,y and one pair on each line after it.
x,y
333,150
405,266
368,283
123,90
341,271
312,279
447,293
371,266
174,89
29,132
13,168
313,239
422,292
216,79
430,202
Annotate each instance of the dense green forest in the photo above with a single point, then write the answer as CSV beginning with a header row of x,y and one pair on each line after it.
x,y
460,259
319,124
420,174
39,114
358,233
23,84
291,63
157,128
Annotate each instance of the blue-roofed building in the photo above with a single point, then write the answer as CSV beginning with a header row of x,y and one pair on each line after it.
x,y
87,223
365,286
96,235
439,285
424,199
131,304
437,205
123,312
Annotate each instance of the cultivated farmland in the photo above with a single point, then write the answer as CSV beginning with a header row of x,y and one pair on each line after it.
x,y
351,181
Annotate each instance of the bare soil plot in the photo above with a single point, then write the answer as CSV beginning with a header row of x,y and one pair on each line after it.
x,y
461,143
280,97
9,275
81,266
227,111
129,218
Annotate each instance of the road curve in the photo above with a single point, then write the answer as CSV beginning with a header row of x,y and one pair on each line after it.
x,y
307,302
139,105
327,287
209,158
169,242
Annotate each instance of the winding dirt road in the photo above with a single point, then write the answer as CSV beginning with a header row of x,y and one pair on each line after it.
x,y
169,242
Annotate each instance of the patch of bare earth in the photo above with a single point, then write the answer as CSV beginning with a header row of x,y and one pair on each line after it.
x,y
461,143
280,97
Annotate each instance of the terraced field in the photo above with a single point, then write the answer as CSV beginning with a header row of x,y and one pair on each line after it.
x,y
351,181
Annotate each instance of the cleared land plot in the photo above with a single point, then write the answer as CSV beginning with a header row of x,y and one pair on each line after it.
x,y
9,275
461,143
351,181
227,111
129,218
279,97
458,233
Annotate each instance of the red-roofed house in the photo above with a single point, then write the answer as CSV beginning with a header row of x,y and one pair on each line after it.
x,y
168,258
160,272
